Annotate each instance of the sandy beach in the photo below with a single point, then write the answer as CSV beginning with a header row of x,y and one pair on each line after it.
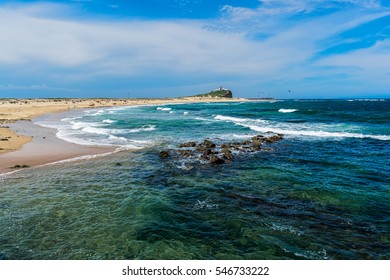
x,y
23,143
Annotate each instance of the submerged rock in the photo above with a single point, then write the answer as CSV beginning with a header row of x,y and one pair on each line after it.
x,y
164,154
187,145
216,160
185,153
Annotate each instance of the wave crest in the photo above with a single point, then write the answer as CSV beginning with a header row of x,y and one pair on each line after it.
x,y
285,111
292,129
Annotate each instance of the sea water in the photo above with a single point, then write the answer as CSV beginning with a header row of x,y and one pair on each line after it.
x,y
323,192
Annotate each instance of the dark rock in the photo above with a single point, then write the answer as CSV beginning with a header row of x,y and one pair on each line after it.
x,y
187,145
204,158
258,138
21,166
185,153
274,138
216,160
164,154
256,145
209,144
227,154
236,146
207,152
118,164
223,153
4,139
226,146
200,148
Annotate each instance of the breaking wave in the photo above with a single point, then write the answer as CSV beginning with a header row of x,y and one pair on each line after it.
x,y
299,130
287,110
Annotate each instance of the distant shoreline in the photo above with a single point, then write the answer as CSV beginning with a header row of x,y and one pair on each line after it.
x,y
24,144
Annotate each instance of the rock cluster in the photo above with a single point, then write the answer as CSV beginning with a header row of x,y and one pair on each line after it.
x,y
20,166
208,151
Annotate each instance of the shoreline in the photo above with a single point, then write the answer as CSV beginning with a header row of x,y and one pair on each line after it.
x,y
24,143
45,148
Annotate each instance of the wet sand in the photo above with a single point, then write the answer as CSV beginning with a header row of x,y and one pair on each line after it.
x,y
44,148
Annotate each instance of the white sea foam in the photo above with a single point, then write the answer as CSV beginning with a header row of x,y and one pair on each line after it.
x,y
106,139
185,113
369,99
205,205
298,130
204,119
94,112
86,157
321,254
70,119
3,176
98,134
286,228
108,121
239,120
95,130
317,133
81,125
144,128
287,110
163,108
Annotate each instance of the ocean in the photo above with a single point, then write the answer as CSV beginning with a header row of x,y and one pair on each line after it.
x,y
322,192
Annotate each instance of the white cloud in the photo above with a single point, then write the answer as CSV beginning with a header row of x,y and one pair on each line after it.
x,y
51,46
364,64
127,47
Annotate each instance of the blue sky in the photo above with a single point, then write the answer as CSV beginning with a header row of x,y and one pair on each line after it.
x,y
165,48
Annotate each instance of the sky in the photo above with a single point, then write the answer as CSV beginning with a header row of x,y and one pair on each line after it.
x,y
169,48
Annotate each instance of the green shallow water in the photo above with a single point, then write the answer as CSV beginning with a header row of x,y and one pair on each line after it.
x,y
143,210
303,199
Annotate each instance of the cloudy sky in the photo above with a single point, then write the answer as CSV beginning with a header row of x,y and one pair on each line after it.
x,y
162,48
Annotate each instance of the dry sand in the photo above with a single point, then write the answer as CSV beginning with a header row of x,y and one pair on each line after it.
x,y
23,143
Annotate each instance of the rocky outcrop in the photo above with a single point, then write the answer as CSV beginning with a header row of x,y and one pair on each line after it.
x,y
217,93
209,152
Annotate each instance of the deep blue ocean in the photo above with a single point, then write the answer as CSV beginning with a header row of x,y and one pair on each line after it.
x,y
323,192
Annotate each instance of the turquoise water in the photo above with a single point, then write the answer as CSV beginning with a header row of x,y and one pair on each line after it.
x,y
323,192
